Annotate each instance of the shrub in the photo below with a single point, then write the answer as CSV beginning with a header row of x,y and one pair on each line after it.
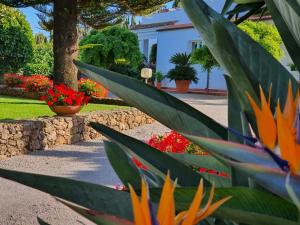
x,y
42,61
37,83
16,40
92,88
13,80
106,47
183,69
159,76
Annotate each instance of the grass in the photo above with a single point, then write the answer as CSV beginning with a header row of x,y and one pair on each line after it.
x,y
18,108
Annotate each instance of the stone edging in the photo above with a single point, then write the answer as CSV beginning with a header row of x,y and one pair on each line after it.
x,y
21,136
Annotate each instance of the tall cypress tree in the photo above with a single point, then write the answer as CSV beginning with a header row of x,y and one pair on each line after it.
x,y
95,13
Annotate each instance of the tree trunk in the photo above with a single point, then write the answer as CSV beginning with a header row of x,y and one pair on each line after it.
x,y
207,80
65,42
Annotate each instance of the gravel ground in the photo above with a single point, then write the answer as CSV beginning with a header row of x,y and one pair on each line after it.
x,y
84,161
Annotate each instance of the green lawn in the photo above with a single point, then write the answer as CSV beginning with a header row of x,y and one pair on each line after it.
x,y
17,108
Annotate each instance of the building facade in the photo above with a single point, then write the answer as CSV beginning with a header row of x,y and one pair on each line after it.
x,y
173,33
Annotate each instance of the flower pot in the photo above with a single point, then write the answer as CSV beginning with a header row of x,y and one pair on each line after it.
x,y
182,86
65,110
158,85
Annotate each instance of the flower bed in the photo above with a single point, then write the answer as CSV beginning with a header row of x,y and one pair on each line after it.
x,y
41,84
175,143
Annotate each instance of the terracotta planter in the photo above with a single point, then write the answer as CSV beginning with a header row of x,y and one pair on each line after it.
x,y
182,86
158,85
66,110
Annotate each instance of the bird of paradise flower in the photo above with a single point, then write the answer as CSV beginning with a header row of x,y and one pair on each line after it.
x,y
144,215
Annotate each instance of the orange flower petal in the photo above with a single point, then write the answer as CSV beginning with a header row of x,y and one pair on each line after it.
x,y
289,148
145,203
137,211
212,209
192,212
164,199
290,106
265,121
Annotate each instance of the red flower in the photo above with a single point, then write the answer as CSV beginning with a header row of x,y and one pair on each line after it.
x,y
49,103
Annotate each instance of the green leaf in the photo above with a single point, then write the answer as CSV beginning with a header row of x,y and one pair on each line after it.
x,y
96,216
286,15
236,118
239,152
227,5
248,63
158,162
165,108
122,165
208,162
246,205
270,178
237,122
92,196
249,206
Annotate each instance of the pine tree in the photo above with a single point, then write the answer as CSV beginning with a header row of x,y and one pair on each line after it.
x,y
95,13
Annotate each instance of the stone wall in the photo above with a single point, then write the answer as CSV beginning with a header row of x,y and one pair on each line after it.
x,y
17,137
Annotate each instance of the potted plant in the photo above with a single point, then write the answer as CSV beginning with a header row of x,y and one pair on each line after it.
x,y
183,73
158,77
64,101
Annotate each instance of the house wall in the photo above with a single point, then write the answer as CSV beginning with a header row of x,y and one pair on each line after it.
x,y
146,34
180,41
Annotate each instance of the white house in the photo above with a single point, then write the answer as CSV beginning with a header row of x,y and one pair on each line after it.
x,y
173,33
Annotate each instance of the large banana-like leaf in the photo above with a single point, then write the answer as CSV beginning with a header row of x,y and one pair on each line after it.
x,y
88,195
122,165
158,162
286,15
238,123
210,163
246,61
270,178
126,170
236,117
239,152
165,108
247,206
96,216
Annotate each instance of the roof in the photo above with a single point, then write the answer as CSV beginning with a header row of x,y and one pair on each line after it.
x,y
152,25
171,25
176,27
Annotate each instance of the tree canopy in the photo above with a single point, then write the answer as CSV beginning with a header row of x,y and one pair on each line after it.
x,y
111,46
16,40
266,35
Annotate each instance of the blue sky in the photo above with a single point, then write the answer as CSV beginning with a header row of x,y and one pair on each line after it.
x,y
31,17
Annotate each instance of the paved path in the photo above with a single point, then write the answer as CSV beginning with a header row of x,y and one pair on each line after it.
x,y
84,161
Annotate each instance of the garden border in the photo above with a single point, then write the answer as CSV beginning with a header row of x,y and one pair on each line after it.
x,y
22,136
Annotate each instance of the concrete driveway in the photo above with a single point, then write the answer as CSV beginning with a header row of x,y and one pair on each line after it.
x,y
83,161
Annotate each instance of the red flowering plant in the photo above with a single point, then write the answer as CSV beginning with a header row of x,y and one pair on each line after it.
x,y
92,88
37,83
173,142
14,80
63,95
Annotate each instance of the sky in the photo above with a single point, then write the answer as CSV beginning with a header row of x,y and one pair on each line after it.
x,y
31,17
